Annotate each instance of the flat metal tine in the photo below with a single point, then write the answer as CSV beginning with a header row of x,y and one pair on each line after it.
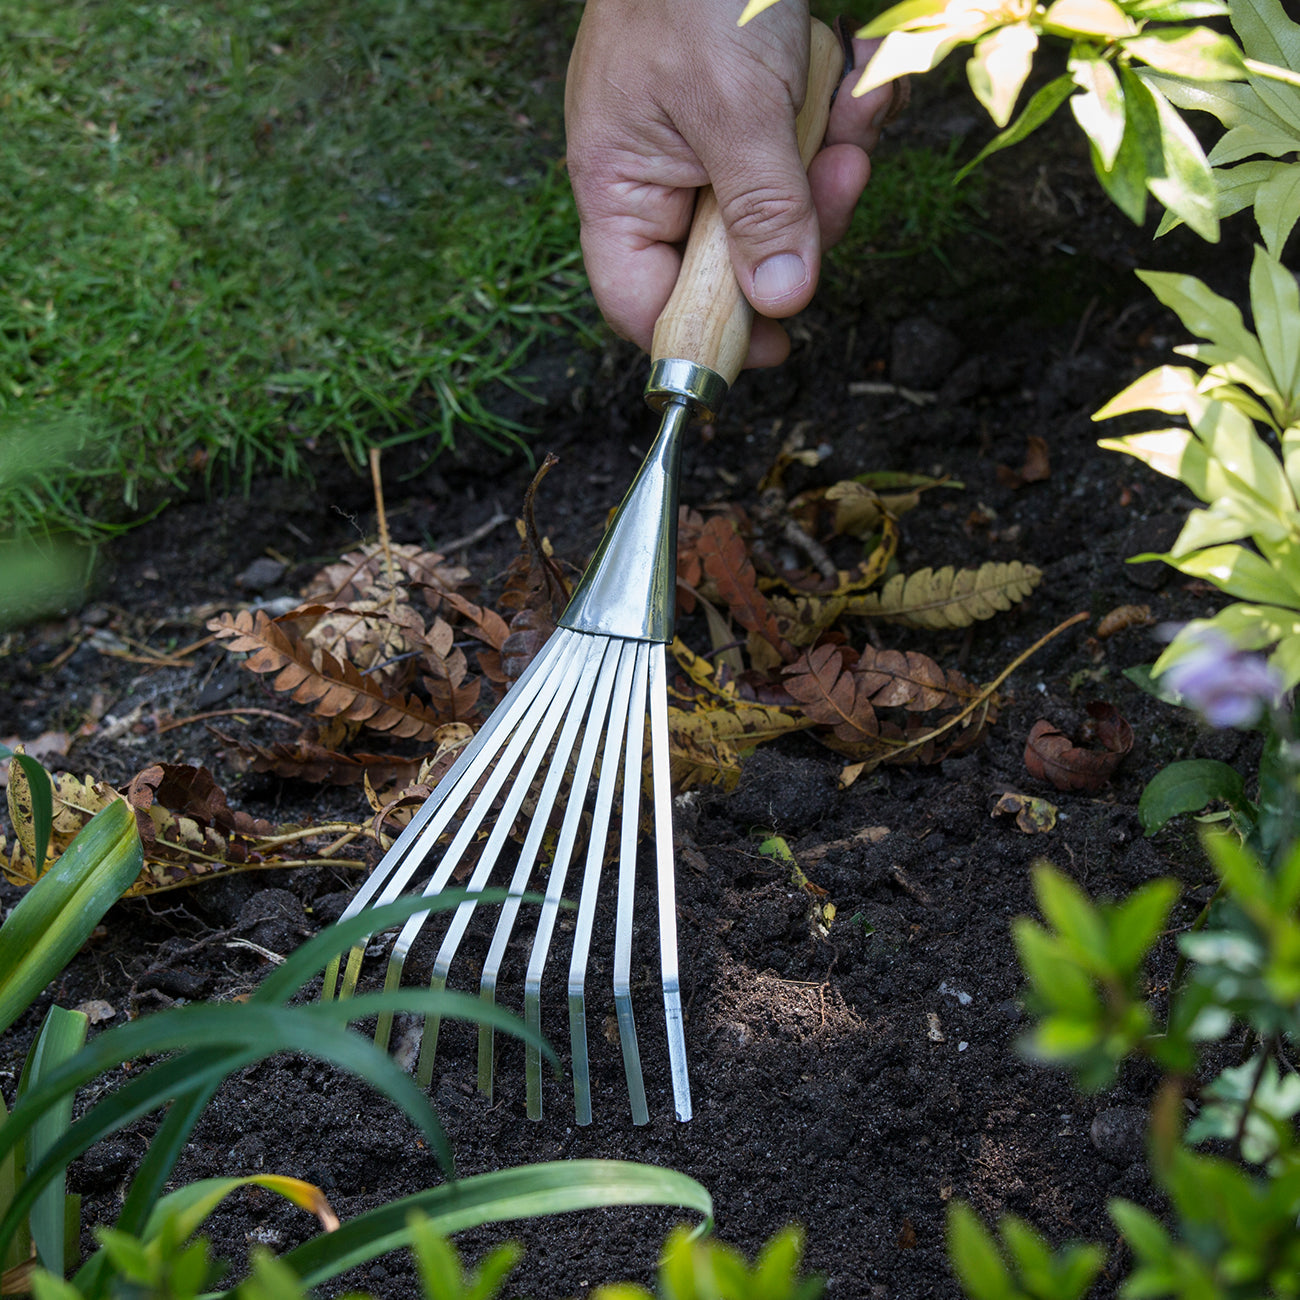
x,y
406,854
473,817
591,738
599,835
532,845
664,868
633,764
538,747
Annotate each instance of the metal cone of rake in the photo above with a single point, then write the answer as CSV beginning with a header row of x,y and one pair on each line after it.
x,y
580,708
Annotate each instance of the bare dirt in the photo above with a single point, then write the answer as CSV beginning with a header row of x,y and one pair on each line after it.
x,y
854,1080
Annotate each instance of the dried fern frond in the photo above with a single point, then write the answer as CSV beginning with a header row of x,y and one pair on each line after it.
x,y
948,597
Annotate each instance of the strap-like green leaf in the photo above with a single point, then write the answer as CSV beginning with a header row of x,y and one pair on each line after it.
x,y
35,784
57,914
61,1036
543,1189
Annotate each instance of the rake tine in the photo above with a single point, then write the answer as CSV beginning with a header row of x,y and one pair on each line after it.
x,y
605,788
565,746
565,698
523,734
407,852
586,760
634,760
667,885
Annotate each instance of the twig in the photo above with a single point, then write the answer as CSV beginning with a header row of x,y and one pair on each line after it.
x,y
384,540
223,713
986,694
499,517
275,958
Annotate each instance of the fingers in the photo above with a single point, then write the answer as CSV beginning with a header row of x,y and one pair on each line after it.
x,y
632,261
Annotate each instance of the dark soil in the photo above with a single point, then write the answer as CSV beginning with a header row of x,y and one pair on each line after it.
x,y
855,1080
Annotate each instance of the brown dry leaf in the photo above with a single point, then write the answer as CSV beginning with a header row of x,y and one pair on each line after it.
x,y
333,688
189,831
307,759
1121,617
947,597
823,684
1036,469
379,637
530,629
1050,755
364,575
727,565
690,567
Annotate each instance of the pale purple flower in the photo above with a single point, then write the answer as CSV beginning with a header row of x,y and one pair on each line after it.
x,y
1228,686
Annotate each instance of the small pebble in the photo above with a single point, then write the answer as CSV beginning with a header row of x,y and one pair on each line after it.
x,y
1119,1133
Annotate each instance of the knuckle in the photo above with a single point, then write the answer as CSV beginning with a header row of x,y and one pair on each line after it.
x,y
762,213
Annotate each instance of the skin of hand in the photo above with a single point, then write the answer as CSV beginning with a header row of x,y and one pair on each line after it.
x,y
664,96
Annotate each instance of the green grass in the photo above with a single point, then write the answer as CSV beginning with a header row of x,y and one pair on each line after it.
x,y
235,233
911,206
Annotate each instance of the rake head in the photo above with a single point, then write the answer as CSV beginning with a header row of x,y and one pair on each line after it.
x,y
574,720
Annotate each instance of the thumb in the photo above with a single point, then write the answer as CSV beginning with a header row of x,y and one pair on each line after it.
x,y
771,223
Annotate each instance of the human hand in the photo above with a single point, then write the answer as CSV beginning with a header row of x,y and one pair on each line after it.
x,y
664,96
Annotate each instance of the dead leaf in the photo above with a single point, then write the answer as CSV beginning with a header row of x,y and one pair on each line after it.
x,y
1052,756
1034,816
1121,617
1036,469
727,564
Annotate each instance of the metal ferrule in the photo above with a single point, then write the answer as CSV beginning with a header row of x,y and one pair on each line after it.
x,y
630,587
701,387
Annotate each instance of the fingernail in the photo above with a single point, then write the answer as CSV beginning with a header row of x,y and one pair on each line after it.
x,y
779,277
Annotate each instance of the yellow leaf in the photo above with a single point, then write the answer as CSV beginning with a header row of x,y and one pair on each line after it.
x,y
999,66
1089,18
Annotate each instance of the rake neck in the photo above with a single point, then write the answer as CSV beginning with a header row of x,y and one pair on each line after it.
x,y
629,588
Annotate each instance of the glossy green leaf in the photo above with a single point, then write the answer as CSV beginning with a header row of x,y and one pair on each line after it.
x,y
1208,315
528,1192
1176,11
1183,181
1277,204
1045,101
1090,19
901,15
1125,179
212,1041
57,914
1196,53
1137,922
1189,786
975,1257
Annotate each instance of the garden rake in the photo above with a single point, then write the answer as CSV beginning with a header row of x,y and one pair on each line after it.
x,y
577,715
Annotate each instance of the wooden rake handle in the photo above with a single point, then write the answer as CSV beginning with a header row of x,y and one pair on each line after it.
x,y
708,319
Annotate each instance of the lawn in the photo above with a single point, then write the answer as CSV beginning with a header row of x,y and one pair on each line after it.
x,y
240,232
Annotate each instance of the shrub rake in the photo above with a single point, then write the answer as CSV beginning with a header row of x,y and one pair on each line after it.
x,y
578,713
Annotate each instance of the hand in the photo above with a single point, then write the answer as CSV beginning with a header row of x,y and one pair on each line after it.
x,y
664,96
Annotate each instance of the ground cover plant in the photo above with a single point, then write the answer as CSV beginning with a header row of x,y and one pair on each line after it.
x,y
853,991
